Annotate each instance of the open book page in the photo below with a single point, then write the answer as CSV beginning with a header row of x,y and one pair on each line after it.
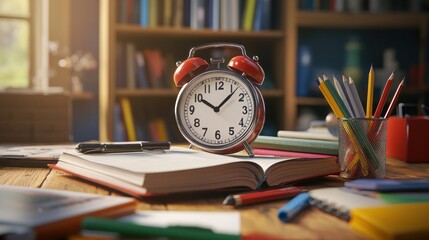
x,y
280,170
181,169
175,170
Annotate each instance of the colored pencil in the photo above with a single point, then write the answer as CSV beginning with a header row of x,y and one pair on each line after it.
x,y
261,196
370,94
394,99
361,112
340,91
357,131
384,95
349,94
328,98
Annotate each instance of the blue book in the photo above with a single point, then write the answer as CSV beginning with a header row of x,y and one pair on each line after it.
x,y
262,19
144,13
303,76
212,17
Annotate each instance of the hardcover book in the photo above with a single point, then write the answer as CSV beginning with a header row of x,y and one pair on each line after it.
x,y
51,214
181,170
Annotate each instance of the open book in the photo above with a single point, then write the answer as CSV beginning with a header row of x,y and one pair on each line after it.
x,y
181,170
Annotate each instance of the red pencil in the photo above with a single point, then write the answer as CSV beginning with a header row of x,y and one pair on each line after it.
x,y
261,196
394,99
384,95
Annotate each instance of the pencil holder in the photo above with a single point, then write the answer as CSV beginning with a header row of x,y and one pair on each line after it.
x,y
362,147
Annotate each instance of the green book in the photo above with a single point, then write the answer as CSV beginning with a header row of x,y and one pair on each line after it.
x,y
296,145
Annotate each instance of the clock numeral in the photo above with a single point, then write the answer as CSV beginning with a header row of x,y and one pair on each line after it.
x,y
241,123
231,131
241,99
244,110
198,97
196,122
205,131
219,85
217,134
192,109
206,88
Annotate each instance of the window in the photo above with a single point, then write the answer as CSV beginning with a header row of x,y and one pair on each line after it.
x,y
15,21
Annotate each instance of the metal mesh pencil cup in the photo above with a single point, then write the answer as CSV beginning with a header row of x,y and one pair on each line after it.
x,y
362,147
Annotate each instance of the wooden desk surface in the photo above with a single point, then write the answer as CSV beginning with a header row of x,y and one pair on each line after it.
x,y
261,218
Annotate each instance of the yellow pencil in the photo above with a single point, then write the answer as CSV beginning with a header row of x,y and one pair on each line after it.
x,y
370,95
328,98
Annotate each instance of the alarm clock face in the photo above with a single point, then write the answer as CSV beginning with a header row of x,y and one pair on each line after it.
x,y
217,110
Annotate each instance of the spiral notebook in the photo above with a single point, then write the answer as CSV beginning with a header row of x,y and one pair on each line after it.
x,y
340,201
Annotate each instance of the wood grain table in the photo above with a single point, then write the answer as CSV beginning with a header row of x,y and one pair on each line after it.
x,y
260,218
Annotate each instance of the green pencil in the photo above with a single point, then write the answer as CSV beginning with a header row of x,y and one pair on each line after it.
x,y
133,230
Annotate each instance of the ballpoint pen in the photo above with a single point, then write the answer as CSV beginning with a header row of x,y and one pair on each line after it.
x,y
115,147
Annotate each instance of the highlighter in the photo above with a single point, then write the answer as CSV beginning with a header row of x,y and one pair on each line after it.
x,y
293,207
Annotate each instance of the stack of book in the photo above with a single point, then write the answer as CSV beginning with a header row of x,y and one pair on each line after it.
x,y
310,143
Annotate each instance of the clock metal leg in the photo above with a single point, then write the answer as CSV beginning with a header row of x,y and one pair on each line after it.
x,y
191,146
248,149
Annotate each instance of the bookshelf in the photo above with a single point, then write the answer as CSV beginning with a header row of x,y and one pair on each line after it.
x,y
276,48
264,44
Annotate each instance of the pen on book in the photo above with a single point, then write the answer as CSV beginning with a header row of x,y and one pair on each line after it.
x,y
370,94
394,99
116,147
384,95
261,196
293,207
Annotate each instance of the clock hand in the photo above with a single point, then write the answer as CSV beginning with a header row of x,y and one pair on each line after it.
x,y
210,105
226,99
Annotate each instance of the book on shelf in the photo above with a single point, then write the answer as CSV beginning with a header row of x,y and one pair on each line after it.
x,y
141,72
143,68
296,144
130,65
183,170
128,118
52,214
248,15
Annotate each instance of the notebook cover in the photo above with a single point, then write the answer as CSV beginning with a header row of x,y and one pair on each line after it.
x,y
399,221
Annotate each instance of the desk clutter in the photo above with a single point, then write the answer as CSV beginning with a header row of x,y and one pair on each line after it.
x,y
31,213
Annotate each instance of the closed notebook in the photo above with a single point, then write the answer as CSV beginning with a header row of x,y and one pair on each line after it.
x,y
399,221
181,170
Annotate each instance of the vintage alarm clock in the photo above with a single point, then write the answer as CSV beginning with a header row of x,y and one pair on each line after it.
x,y
220,109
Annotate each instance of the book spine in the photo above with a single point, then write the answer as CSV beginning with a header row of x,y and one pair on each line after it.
x,y
128,119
